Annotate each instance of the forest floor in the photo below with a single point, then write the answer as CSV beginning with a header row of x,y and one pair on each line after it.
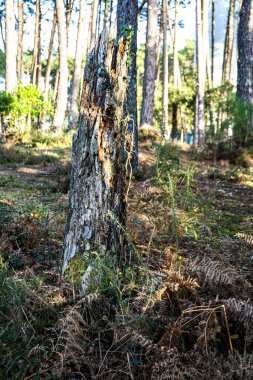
x,y
184,309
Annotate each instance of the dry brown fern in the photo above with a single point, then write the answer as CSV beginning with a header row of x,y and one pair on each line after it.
x,y
168,366
240,310
216,273
247,238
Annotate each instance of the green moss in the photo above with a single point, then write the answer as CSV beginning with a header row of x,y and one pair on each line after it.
x,y
75,270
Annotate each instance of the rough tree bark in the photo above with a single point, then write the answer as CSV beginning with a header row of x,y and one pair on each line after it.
x,y
147,108
61,101
245,48
77,67
229,42
97,189
245,62
127,12
20,40
10,48
165,97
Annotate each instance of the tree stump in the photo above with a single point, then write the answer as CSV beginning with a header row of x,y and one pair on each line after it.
x,y
97,206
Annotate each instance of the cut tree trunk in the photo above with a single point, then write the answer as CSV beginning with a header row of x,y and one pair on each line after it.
x,y
96,217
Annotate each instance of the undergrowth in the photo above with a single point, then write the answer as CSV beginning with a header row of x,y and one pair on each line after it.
x,y
183,309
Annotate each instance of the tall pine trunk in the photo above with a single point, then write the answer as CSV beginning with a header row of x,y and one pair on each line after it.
x,y
175,75
245,63
165,96
229,42
97,191
127,12
199,126
36,61
93,24
147,109
20,40
77,67
50,56
62,95
213,42
10,48
106,10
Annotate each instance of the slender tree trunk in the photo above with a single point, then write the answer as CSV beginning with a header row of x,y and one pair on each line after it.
x,y
10,48
201,63
165,99
69,8
36,61
158,54
245,63
20,40
229,42
147,109
110,15
35,44
61,102
106,14
97,191
50,56
213,42
39,62
175,72
93,24
99,18
127,11
78,67
56,84
2,33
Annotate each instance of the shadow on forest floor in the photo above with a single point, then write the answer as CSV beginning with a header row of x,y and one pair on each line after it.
x,y
186,311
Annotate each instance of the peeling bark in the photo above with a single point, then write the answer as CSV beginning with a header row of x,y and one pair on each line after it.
x,y
97,190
